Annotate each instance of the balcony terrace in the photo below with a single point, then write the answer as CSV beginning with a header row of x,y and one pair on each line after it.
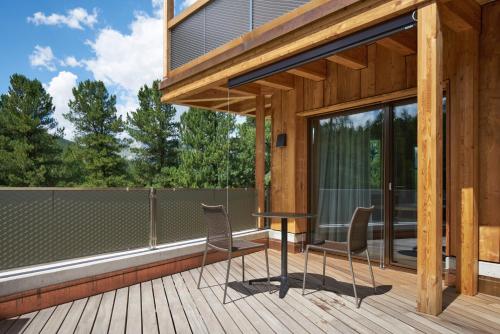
x,y
173,304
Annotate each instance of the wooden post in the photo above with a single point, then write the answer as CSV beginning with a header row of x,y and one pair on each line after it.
x,y
468,99
430,164
168,14
260,159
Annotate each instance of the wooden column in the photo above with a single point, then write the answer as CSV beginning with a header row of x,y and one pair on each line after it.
x,y
168,14
430,161
260,158
467,91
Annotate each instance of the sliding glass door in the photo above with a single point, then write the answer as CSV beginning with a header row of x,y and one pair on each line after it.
x,y
347,172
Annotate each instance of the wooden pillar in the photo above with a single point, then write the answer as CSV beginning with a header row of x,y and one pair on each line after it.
x,y
430,161
168,14
468,99
260,158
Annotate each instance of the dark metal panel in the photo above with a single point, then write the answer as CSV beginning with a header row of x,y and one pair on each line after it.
x,y
267,10
225,21
356,39
188,39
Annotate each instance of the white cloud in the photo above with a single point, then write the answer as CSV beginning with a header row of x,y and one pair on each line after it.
x,y
70,62
75,18
128,61
186,3
43,56
60,88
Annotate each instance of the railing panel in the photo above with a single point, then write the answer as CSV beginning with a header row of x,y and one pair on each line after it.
x,y
179,214
43,226
267,10
188,39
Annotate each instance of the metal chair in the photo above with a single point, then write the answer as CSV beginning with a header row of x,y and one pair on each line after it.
x,y
220,237
356,243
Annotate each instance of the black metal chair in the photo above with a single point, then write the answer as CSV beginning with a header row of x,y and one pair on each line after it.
x,y
220,237
357,242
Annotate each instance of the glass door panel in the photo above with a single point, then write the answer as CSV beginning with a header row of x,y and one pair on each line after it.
x,y
404,185
347,172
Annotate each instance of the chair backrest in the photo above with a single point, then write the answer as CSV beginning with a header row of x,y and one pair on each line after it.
x,y
219,232
357,236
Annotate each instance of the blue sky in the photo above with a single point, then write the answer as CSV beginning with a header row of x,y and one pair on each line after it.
x,y
64,42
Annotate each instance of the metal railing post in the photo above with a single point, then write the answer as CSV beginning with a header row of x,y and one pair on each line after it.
x,y
152,218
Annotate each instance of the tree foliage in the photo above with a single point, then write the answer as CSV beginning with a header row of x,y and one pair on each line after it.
x,y
93,113
29,154
153,128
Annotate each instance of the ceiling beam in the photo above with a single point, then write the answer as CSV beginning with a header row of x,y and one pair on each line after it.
x,y
207,96
315,71
460,15
355,58
232,101
284,81
404,43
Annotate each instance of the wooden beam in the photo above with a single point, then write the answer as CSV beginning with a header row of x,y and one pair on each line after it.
x,y
212,95
344,23
430,162
468,101
367,101
168,13
355,58
284,81
404,43
250,89
315,71
260,160
461,15
231,101
187,12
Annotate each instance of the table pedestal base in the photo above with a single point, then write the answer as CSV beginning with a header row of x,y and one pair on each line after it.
x,y
282,279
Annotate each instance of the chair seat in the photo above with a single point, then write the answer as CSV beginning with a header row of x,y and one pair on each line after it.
x,y
330,246
238,245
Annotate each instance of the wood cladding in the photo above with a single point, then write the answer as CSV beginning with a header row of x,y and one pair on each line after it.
x,y
489,134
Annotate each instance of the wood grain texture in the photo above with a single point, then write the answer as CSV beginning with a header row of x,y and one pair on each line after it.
x,y
260,152
429,141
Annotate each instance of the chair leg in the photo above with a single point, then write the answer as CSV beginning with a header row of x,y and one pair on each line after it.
x,y
324,268
305,270
243,267
353,280
371,270
203,264
267,268
227,277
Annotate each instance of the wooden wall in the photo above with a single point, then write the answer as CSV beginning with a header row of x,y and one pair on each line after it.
x,y
386,71
489,134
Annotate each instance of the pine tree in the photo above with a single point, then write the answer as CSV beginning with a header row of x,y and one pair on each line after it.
x,y
204,149
29,154
93,113
152,126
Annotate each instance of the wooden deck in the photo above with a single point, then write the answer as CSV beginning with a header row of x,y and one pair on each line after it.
x,y
174,304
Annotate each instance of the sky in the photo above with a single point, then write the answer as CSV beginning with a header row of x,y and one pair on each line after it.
x,y
63,42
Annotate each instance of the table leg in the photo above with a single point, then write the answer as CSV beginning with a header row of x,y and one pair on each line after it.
x,y
284,257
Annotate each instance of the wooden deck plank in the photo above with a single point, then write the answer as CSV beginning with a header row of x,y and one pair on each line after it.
x,y
119,315
134,316
22,323
208,298
149,321
175,304
56,319
165,322
192,313
104,312
284,321
39,321
245,317
75,312
89,314
255,306
181,322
